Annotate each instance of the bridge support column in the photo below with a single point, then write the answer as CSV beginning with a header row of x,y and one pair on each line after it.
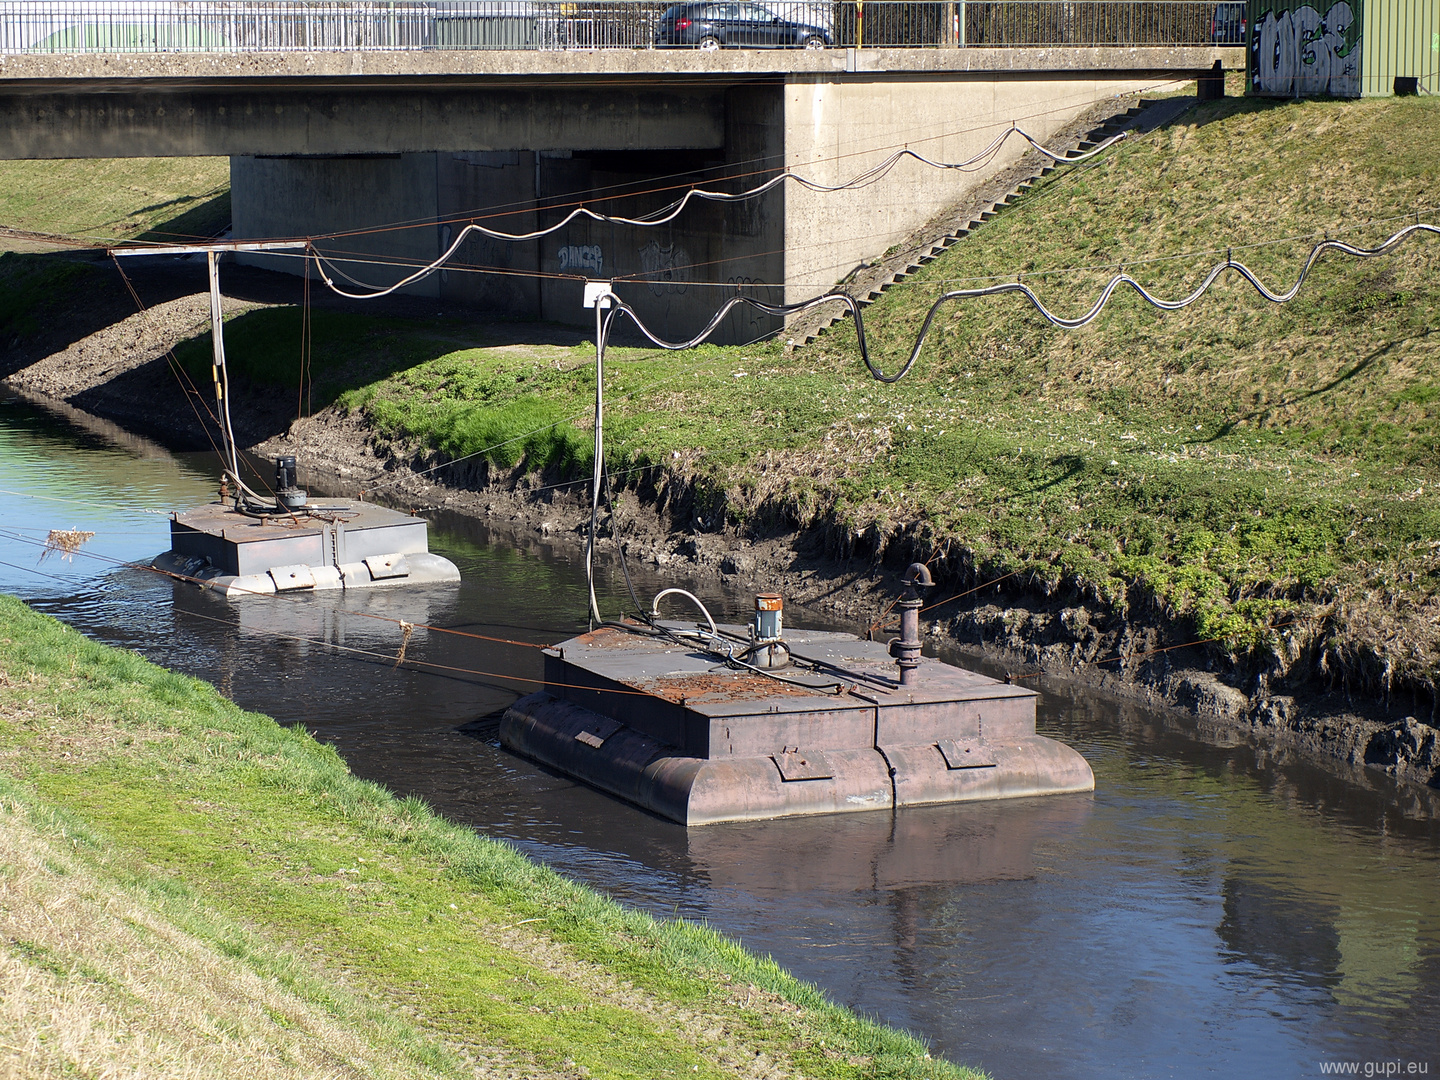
x,y
349,194
790,244
397,212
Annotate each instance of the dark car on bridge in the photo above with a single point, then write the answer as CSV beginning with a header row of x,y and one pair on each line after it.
x,y
1228,25
738,25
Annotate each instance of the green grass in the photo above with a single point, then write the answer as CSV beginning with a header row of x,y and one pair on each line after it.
x,y
212,806
117,198
35,289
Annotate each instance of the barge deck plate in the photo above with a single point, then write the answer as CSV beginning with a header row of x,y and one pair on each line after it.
x,y
327,545
674,729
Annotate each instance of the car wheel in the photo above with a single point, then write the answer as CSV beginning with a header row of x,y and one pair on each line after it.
x,y
813,42
708,44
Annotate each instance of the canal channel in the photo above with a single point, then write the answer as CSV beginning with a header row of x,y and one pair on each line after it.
x,y
1210,910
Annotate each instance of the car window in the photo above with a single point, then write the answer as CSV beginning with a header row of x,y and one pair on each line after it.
x,y
755,13
720,11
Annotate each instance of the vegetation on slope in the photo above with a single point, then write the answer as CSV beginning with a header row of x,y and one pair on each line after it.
x,y
166,849
117,198
1258,473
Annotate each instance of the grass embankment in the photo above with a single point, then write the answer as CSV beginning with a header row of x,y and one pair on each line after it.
x,y
190,889
109,199
1238,465
1253,473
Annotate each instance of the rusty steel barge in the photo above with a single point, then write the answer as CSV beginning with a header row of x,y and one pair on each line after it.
x,y
709,723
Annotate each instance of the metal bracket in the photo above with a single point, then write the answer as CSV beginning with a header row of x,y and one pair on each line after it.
x,y
382,567
598,730
288,578
796,766
959,756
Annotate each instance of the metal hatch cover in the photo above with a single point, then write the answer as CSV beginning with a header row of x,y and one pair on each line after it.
x,y
387,566
959,756
794,765
289,578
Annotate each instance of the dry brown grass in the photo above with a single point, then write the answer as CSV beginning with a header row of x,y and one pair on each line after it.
x,y
94,982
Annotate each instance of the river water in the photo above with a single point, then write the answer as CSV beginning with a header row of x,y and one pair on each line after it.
x,y
1208,911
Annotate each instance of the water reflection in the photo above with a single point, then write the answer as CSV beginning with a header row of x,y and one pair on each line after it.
x,y
1213,908
943,847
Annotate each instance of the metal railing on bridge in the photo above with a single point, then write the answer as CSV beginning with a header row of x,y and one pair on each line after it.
x,y
178,26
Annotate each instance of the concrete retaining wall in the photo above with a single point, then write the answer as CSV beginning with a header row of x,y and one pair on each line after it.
x,y
835,130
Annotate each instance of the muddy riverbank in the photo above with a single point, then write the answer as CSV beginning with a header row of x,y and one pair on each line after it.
x,y
122,370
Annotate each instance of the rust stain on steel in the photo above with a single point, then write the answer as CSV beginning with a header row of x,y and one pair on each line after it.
x,y
607,637
713,686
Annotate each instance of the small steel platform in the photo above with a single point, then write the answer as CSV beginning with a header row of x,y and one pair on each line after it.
x,y
327,545
673,729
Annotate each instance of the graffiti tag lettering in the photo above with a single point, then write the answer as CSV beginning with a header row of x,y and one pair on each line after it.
x,y
664,267
582,257
1298,52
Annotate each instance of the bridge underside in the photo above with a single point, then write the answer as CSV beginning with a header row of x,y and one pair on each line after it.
x,y
206,122
516,141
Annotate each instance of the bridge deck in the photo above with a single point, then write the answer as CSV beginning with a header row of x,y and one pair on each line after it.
x,y
51,72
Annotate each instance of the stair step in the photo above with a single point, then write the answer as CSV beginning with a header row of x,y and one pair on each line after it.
x,y
925,256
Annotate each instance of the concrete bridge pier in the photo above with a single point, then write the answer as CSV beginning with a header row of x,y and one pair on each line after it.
x,y
787,245
406,208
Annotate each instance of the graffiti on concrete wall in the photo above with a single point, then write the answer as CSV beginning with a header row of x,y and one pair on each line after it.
x,y
582,257
664,267
1296,51
745,324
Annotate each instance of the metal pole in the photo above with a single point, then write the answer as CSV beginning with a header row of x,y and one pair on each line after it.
x,y
218,371
230,460
598,475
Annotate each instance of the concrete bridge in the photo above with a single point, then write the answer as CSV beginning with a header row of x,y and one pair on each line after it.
x,y
337,141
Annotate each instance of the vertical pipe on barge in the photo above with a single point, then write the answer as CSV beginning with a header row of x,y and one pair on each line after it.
x,y
906,649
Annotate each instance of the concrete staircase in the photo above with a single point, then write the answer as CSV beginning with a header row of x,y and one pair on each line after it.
x,y
870,280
